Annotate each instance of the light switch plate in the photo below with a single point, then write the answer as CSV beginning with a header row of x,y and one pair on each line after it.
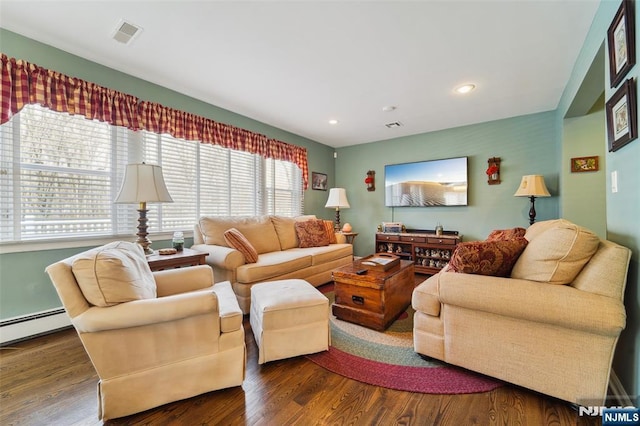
x,y
614,181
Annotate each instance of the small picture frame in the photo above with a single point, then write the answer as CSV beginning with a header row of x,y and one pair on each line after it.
x,y
621,42
584,164
318,181
622,119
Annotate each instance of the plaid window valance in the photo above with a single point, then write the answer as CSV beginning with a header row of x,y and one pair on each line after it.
x,y
24,83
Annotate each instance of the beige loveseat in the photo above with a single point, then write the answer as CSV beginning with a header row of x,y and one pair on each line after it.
x,y
552,326
279,255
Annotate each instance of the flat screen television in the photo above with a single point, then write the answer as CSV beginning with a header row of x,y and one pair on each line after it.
x,y
426,183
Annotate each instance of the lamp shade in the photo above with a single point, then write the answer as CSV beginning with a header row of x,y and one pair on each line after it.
x,y
143,183
337,199
532,186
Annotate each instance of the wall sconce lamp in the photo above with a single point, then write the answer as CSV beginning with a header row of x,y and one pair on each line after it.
x,y
370,180
337,200
532,186
493,171
143,183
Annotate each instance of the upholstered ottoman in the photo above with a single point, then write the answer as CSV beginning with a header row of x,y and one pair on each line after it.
x,y
288,318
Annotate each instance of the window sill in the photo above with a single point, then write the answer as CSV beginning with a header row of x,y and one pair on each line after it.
x,y
79,242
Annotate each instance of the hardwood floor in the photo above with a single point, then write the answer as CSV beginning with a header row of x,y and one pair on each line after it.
x,y
49,380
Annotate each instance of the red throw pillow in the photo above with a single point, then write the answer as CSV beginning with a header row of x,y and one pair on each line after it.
x,y
495,258
331,233
312,233
238,241
506,234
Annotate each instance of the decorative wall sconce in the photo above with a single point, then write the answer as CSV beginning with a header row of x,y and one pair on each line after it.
x,y
493,171
370,180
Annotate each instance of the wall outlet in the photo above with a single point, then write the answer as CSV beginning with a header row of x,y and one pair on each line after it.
x,y
614,181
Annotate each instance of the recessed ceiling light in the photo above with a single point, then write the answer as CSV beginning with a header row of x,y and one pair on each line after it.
x,y
466,88
333,122
388,108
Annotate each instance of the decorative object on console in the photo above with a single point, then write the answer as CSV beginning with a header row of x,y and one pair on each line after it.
x,y
143,183
584,164
621,42
392,226
370,180
622,119
347,227
337,200
532,186
493,171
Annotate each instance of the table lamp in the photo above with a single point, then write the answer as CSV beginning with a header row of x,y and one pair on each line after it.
x,y
337,200
143,183
532,186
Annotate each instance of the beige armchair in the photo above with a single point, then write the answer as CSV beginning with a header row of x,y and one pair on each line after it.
x,y
180,337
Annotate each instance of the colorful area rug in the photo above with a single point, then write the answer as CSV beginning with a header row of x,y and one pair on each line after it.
x,y
387,359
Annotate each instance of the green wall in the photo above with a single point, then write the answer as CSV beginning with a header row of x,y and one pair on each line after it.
x,y
24,287
526,145
584,194
623,207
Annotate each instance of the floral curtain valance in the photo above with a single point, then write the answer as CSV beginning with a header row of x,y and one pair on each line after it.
x,y
24,83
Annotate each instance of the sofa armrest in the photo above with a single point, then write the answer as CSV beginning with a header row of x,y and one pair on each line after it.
x,y
558,305
230,312
144,312
182,280
340,238
221,257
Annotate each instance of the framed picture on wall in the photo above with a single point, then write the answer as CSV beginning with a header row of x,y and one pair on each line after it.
x,y
584,164
622,119
318,181
621,42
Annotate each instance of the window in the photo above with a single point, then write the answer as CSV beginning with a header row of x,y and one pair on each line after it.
x,y
59,175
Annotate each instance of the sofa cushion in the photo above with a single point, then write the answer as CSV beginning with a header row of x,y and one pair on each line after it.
x,y
556,252
495,258
325,254
258,230
235,239
312,233
286,230
115,273
506,234
271,265
331,233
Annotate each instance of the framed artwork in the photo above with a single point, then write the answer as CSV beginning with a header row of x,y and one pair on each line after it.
x,y
584,164
318,181
621,42
622,118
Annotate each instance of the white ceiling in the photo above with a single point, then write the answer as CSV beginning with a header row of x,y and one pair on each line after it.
x,y
296,64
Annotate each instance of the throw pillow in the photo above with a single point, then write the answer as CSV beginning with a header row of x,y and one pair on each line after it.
x,y
495,258
312,233
557,254
114,273
236,240
331,233
506,234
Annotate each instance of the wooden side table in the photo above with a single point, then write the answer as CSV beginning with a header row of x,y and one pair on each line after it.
x,y
350,236
186,257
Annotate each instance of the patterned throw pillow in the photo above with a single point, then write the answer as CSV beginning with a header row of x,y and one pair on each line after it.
x,y
331,233
506,234
312,233
235,239
495,258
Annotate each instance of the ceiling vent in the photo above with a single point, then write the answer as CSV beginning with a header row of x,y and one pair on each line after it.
x,y
394,124
126,32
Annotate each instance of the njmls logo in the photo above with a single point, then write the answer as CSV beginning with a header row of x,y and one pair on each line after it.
x,y
628,416
594,410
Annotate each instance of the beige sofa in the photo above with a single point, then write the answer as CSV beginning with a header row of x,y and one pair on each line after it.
x,y
153,337
551,327
279,254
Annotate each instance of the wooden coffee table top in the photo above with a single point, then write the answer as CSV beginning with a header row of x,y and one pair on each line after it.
x,y
373,278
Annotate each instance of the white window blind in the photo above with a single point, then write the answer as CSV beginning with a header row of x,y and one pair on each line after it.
x,y
59,175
